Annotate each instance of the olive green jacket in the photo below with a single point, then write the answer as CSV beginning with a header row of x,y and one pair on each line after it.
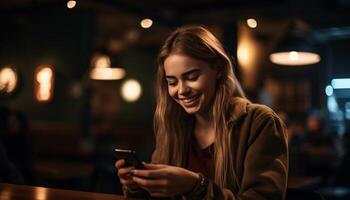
x,y
260,154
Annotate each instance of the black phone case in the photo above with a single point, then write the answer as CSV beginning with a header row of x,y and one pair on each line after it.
x,y
130,158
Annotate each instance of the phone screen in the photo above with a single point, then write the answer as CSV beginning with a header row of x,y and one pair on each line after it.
x,y
130,158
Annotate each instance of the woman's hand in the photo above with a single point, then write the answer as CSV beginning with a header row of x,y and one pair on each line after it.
x,y
124,173
164,180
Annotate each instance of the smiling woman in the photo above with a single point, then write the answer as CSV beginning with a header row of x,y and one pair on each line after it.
x,y
191,82
211,142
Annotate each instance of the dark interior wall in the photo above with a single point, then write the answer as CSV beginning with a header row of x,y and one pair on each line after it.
x,y
338,56
64,39
139,64
59,37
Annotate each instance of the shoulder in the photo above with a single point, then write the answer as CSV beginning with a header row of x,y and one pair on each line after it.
x,y
244,109
256,119
259,111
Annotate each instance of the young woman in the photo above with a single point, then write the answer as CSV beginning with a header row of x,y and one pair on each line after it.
x,y
211,143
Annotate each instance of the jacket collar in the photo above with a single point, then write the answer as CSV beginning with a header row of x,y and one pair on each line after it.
x,y
240,108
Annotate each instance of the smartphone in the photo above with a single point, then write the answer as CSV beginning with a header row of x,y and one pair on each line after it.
x,y
130,157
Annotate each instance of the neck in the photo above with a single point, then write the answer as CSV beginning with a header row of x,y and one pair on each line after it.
x,y
204,131
202,120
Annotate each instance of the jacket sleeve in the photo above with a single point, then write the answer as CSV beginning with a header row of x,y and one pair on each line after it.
x,y
265,164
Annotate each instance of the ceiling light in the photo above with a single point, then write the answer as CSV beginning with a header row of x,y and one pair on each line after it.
x,y
8,80
131,90
107,73
146,23
252,23
100,61
71,4
341,83
295,50
44,83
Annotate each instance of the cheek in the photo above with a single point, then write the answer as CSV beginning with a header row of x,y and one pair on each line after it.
x,y
172,92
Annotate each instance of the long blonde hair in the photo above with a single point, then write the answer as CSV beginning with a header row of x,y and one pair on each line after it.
x,y
172,125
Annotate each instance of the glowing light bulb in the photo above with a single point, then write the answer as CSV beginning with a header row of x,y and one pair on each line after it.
x,y
293,55
252,23
131,90
146,23
71,4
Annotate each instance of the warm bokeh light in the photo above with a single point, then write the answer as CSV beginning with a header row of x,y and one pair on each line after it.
x,y
252,23
107,73
294,58
245,52
71,4
8,80
249,52
146,23
41,193
44,83
5,194
293,55
44,75
131,90
100,61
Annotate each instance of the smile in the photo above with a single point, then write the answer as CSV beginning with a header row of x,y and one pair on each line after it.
x,y
190,100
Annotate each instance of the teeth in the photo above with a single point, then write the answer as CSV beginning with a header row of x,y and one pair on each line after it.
x,y
190,99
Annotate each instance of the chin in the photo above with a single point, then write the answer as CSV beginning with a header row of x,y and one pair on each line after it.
x,y
192,110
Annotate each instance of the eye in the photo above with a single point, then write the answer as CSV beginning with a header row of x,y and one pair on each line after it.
x,y
193,77
172,82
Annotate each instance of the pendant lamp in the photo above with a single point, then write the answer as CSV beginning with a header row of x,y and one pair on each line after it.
x,y
295,49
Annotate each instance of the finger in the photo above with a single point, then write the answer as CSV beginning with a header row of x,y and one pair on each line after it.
x,y
127,182
154,166
120,163
149,183
124,172
149,174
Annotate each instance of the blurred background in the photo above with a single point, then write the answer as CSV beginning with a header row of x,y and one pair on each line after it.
x,y
76,81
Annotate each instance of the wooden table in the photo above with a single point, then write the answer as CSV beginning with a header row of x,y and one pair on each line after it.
x,y
59,170
22,192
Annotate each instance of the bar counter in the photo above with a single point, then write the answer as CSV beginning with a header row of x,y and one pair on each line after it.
x,y
23,192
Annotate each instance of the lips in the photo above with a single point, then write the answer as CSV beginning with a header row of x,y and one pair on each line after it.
x,y
190,101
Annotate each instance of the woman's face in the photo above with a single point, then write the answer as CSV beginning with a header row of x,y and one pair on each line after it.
x,y
191,82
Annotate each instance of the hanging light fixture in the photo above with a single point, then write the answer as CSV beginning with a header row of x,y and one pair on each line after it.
x,y
102,70
295,49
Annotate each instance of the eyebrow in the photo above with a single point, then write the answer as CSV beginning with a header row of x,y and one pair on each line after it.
x,y
185,74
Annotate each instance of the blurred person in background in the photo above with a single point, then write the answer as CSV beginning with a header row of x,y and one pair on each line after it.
x,y
15,140
211,142
320,155
295,131
8,171
342,173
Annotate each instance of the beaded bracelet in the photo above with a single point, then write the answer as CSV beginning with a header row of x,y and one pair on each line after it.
x,y
136,192
199,190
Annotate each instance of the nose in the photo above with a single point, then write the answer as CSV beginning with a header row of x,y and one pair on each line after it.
x,y
183,89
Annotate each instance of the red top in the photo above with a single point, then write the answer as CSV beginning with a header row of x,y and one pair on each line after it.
x,y
201,160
